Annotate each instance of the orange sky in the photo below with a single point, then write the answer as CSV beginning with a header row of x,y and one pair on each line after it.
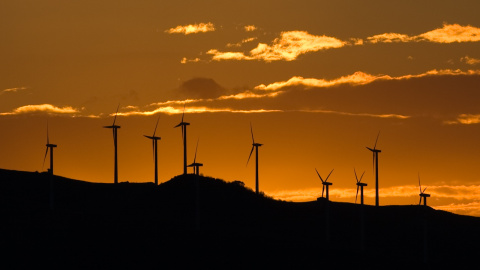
x,y
317,80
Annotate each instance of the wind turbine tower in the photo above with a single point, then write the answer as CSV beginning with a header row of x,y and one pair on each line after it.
x,y
375,152
196,166
154,146
360,186
422,193
114,129
325,183
184,125
254,145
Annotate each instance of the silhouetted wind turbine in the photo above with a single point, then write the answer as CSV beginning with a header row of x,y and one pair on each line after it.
x,y
324,182
254,145
375,152
49,147
196,165
422,193
114,129
154,146
184,136
359,185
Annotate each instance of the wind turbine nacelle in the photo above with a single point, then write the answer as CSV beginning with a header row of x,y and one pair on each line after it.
x,y
424,195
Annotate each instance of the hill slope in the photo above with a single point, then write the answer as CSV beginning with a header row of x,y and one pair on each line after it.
x,y
189,221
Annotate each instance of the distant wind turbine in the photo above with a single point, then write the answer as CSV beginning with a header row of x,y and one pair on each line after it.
x,y
325,183
196,166
50,147
254,145
375,152
360,186
422,193
184,125
114,129
154,146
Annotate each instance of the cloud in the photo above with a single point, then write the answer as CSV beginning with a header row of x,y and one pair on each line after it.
x,y
239,44
203,109
469,60
397,116
465,119
389,38
46,108
12,90
250,28
200,88
185,60
449,33
287,47
192,29
357,78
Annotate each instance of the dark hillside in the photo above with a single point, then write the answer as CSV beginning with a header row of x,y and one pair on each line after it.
x,y
189,221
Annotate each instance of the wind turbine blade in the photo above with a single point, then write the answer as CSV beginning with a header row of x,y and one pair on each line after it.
x,y
424,190
326,179
196,148
357,194
420,202
250,154
356,178
375,146
115,118
361,177
44,158
183,130
319,175
251,130
155,130
323,189
419,185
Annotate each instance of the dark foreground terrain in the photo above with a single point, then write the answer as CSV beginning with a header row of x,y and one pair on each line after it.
x,y
190,222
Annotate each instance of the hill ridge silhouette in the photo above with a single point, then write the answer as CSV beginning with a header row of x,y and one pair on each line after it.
x,y
226,224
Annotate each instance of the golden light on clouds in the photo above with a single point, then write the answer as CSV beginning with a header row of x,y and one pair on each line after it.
x,y
47,108
203,109
449,33
287,47
470,60
465,119
12,90
357,78
192,29
250,28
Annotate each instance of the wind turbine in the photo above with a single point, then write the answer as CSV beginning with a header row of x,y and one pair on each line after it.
x,y
49,147
184,136
254,145
154,146
422,193
359,185
325,183
196,165
375,152
114,129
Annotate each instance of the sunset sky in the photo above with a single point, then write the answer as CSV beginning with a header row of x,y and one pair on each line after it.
x,y
317,79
